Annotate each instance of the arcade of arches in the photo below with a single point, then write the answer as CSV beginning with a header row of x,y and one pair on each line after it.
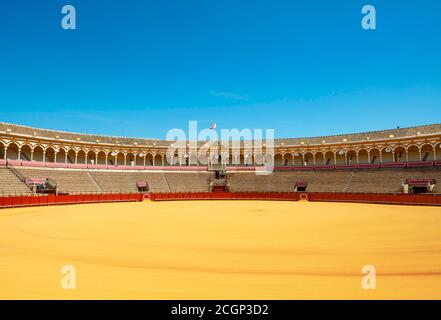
x,y
341,156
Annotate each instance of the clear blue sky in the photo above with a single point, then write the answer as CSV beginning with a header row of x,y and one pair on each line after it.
x,y
140,68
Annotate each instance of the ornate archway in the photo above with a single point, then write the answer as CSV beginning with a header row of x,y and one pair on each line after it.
x,y
413,153
387,154
374,155
400,154
319,158
37,154
25,153
427,152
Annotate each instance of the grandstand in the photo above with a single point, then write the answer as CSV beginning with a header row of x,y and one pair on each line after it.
x,y
374,162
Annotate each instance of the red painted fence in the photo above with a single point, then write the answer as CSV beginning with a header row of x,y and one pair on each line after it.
x,y
26,201
326,197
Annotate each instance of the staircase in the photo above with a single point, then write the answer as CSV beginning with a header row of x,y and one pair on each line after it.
x,y
11,182
345,189
95,182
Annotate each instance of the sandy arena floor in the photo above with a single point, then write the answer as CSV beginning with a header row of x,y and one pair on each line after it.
x,y
221,250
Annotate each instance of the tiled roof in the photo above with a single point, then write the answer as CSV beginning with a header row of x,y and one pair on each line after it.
x,y
88,138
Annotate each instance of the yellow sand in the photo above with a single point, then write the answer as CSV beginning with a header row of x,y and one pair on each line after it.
x,y
221,250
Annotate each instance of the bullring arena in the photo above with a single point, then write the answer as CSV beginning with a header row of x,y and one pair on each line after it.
x,y
137,227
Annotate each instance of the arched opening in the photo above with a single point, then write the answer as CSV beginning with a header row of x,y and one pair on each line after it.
x,y
387,155
139,159
232,159
308,159
427,153
214,158
119,159
91,157
71,156
229,159
278,160
193,159
351,157
81,157
287,159
184,159
400,154
130,159
202,159
25,153
241,160
374,154
298,159
149,159
2,151
329,158
268,159
319,158
363,156
438,151
258,159
12,152
171,159
50,155
101,158
38,154
248,158
61,156
413,153
159,160
340,157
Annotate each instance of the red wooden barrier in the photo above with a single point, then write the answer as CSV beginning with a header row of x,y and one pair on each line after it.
x,y
39,200
331,197
23,201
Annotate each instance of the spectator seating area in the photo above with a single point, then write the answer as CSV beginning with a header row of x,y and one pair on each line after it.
x,y
96,181
70,181
9,183
351,181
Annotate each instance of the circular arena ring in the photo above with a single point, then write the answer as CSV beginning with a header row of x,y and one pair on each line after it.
x,y
184,249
